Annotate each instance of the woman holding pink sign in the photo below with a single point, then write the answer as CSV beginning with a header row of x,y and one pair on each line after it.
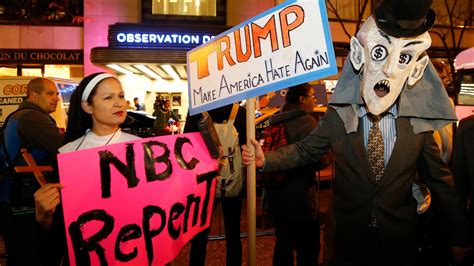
x,y
97,108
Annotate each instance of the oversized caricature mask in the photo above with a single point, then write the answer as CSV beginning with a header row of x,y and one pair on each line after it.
x,y
386,63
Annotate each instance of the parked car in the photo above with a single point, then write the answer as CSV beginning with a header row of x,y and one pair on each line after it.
x,y
138,123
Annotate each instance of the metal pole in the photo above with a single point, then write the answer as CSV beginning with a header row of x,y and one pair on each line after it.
x,y
251,187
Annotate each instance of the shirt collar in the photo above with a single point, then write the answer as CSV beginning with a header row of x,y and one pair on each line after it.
x,y
393,111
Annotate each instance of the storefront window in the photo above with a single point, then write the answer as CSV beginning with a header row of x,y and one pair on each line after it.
x,y
57,71
31,72
196,12
184,7
8,71
71,72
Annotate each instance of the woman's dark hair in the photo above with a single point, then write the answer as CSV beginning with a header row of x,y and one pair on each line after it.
x,y
293,94
78,121
440,66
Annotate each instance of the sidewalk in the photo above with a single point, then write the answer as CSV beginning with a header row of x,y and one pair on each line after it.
x,y
216,248
265,239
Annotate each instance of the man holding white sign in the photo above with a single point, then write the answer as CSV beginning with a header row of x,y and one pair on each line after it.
x,y
379,127
266,53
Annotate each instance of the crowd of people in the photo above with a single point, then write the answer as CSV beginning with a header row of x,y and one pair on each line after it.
x,y
378,128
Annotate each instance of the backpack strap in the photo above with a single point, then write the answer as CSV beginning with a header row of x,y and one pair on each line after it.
x,y
4,147
233,114
6,156
18,156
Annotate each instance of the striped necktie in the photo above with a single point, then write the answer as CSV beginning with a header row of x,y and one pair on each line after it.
x,y
375,148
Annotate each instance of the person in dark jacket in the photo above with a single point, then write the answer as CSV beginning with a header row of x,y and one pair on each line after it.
x,y
28,242
462,165
293,202
231,206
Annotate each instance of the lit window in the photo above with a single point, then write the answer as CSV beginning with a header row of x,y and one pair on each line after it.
x,y
32,72
7,71
57,71
185,7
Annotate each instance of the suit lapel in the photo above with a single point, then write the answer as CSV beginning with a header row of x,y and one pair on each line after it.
x,y
357,140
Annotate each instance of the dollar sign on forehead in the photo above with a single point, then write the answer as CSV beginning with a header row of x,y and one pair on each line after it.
x,y
378,53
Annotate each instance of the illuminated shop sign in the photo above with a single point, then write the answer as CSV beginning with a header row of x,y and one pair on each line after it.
x,y
161,38
127,35
41,56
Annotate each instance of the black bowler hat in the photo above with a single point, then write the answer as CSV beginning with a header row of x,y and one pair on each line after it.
x,y
404,18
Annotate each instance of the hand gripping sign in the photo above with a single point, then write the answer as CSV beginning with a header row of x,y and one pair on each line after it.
x,y
137,202
284,46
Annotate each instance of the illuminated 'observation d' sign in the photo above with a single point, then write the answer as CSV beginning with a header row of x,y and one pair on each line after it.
x,y
162,38
145,36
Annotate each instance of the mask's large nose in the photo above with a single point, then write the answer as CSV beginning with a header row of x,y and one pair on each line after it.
x,y
391,64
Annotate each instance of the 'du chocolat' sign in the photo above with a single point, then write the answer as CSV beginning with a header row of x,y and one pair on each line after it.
x,y
22,56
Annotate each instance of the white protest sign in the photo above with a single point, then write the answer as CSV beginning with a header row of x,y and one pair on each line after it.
x,y
281,47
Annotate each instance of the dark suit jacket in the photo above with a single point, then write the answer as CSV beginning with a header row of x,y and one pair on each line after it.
x,y
463,164
356,194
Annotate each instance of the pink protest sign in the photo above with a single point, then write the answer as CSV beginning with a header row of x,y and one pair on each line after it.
x,y
138,202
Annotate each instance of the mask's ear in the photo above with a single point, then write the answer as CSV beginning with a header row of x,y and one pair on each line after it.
x,y
86,107
357,54
417,72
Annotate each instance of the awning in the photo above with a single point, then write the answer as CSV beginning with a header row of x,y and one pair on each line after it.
x,y
154,50
148,62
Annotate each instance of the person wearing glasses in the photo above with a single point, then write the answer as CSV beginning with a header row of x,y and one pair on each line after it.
x,y
291,195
